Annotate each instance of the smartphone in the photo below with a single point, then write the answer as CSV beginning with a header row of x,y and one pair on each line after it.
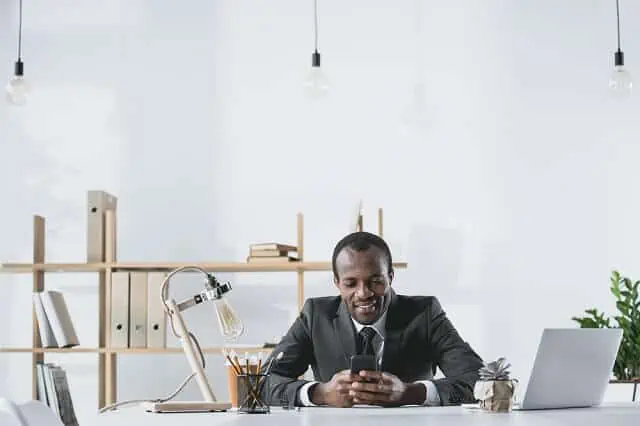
x,y
363,362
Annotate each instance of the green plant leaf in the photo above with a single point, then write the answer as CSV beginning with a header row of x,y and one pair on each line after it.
x,y
626,293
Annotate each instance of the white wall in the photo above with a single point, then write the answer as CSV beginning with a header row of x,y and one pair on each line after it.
x,y
512,204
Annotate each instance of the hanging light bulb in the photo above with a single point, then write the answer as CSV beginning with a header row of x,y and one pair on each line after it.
x,y
316,83
620,81
17,88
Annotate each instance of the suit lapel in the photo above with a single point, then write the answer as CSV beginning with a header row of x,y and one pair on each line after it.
x,y
345,332
394,329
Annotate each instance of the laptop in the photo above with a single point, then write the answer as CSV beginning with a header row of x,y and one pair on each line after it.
x,y
572,368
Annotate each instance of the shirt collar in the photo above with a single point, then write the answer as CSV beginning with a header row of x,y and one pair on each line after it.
x,y
378,326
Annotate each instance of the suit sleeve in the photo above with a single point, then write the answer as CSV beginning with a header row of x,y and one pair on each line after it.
x,y
456,359
296,346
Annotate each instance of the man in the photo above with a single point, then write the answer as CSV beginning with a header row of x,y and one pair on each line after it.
x,y
410,337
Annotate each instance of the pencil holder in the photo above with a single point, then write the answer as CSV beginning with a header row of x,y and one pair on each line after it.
x,y
250,388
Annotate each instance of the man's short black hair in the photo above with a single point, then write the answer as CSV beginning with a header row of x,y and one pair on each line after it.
x,y
361,241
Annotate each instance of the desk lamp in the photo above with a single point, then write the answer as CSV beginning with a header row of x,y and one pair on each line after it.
x,y
230,325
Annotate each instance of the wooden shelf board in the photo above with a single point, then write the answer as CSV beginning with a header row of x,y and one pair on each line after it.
x,y
49,350
178,350
238,349
168,266
14,268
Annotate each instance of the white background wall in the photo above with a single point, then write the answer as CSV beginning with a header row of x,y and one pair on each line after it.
x,y
512,204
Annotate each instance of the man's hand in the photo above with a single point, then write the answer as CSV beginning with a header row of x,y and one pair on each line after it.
x,y
385,389
335,393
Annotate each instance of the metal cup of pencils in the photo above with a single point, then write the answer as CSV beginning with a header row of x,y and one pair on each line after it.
x,y
246,383
250,395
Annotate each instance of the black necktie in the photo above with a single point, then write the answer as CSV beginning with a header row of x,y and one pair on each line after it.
x,y
366,338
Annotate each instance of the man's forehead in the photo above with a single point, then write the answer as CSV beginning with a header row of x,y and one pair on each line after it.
x,y
349,258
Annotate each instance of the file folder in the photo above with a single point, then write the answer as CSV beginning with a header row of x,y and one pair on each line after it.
x,y
156,315
138,310
120,310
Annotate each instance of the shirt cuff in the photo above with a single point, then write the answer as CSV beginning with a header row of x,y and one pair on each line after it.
x,y
304,396
433,397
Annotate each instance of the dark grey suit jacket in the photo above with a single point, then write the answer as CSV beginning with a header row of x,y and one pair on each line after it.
x,y
419,338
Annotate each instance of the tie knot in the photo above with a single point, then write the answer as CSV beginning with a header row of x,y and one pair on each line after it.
x,y
368,333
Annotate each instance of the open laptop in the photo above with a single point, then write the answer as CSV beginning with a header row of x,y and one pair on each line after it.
x,y
572,368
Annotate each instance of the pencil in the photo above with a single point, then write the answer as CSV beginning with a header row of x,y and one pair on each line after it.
x,y
235,367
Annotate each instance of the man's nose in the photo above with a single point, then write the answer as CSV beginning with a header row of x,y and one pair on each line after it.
x,y
363,291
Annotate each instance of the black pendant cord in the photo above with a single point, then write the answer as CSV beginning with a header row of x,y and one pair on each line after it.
x,y
315,56
618,17
20,34
315,23
618,57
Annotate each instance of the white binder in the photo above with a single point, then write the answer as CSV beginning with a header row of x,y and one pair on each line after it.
x,y
120,310
138,310
156,315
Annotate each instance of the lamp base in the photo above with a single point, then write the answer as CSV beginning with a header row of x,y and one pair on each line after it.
x,y
186,406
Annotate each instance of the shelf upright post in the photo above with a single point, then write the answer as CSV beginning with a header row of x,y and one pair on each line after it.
x,y
37,357
101,248
300,271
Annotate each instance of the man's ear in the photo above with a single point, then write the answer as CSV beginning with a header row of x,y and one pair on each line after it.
x,y
391,275
336,282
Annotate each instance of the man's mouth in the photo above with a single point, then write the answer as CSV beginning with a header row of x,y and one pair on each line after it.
x,y
367,307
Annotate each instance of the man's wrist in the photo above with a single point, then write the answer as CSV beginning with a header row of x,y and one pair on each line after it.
x,y
415,394
316,394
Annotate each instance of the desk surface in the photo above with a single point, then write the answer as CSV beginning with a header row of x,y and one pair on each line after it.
x,y
614,415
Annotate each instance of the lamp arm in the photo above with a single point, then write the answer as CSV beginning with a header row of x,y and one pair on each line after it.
x,y
187,346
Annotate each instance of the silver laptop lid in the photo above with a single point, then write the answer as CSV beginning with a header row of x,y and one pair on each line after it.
x,y
572,368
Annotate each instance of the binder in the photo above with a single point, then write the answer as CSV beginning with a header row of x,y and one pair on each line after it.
x,y
156,315
119,310
97,203
138,310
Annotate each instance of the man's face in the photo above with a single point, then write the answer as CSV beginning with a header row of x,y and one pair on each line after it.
x,y
364,282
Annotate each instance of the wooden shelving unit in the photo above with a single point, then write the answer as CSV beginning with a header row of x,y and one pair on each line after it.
x,y
102,260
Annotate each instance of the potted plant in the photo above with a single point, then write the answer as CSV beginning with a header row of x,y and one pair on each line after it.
x,y
495,389
627,365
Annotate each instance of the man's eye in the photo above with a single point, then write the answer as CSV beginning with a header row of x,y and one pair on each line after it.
x,y
349,283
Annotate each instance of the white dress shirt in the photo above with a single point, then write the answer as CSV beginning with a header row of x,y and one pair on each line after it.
x,y
433,398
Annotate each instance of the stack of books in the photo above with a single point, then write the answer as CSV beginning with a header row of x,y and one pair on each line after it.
x,y
272,252
54,322
53,390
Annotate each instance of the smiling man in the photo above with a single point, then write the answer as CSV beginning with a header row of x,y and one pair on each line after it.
x,y
409,336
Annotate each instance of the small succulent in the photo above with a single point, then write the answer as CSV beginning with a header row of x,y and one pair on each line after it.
x,y
496,370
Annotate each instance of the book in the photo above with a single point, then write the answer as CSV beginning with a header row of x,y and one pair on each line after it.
x,y
272,246
47,338
53,390
269,253
59,318
278,259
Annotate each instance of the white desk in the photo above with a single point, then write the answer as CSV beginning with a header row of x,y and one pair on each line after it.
x,y
612,415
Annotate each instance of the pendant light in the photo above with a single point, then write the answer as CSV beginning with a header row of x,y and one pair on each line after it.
x,y
316,83
620,81
17,88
